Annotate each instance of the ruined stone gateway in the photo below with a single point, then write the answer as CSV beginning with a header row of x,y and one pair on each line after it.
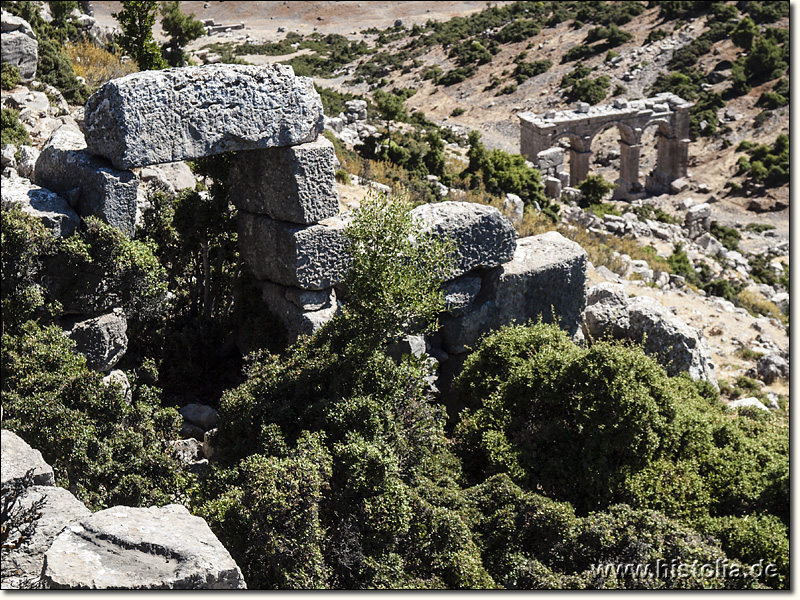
x,y
668,112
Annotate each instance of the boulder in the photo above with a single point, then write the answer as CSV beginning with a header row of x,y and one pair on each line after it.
x,y
710,244
677,346
294,184
19,46
514,208
155,117
606,311
51,209
23,564
301,312
93,186
102,340
308,257
460,293
26,165
483,236
140,548
544,279
173,177
8,156
118,377
772,367
201,415
19,458
743,402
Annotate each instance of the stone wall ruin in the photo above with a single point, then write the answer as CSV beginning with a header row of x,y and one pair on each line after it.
x,y
282,182
666,111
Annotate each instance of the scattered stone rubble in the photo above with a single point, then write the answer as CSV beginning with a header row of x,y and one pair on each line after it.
x,y
117,548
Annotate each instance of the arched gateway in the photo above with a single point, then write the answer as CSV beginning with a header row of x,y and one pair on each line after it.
x,y
667,112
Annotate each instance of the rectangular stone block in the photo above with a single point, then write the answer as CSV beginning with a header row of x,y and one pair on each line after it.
x,y
545,278
155,117
552,187
550,158
310,257
294,184
91,184
301,312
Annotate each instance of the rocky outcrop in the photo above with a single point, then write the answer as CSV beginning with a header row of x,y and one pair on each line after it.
x,y
51,209
302,312
90,184
294,184
140,548
677,346
544,279
19,458
57,508
483,236
771,368
102,340
19,46
155,117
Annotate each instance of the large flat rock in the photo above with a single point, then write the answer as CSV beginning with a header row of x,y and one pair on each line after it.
x,y
483,236
544,279
19,458
23,563
294,184
155,117
308,257
140,548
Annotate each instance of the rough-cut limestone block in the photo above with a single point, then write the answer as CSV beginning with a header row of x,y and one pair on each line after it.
x,y
483,236
140,548
545,278
23,563
294,184
50,208
19,46
91,184
155,117
19,458
309,257
302,312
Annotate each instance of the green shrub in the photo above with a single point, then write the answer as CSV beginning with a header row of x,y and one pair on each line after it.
x,y
9,77
590,90
509,89
728,236
457,112
13,132
524,71
342,176
594,189
655,35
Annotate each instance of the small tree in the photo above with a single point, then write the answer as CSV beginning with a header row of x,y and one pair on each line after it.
x,y
391,108
745,33
594,188
181,28
136,19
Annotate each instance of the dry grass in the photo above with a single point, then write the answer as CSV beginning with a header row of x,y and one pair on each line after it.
x,y
756,304
96,65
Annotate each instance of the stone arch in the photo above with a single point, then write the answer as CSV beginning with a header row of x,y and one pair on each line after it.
x,y
666,111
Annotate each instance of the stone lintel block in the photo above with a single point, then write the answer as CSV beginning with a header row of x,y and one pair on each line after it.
x,y
484,237
155,117
294,183
92,184
310,257
302,312
545,278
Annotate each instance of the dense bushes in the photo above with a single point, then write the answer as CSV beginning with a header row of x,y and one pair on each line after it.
x,y
768,166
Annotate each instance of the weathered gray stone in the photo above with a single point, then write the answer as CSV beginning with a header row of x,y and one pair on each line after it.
x,y
676,345
606,311
19,46
187,451
552,187
174,177
308,257
155,117
698,220
483,236
772,367
24,563
102,340
744,402
710,244
50,208
552,158
26,165
7,156
294,184
19,458
64,166
201,415
460,293
545,278
514,208
140,548
301,312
